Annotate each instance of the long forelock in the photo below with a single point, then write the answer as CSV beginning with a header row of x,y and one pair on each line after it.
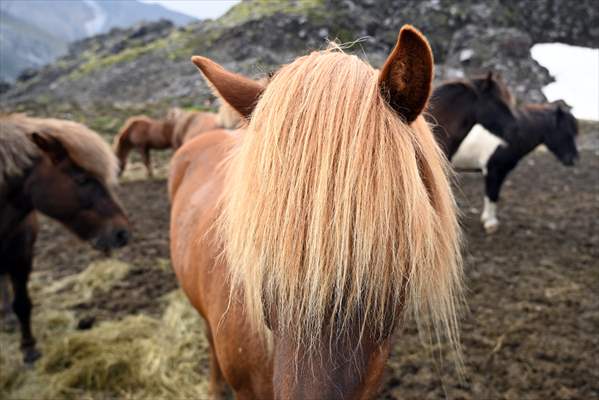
x,y
336,212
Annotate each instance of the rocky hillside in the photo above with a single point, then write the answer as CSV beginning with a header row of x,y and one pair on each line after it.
x,y
148,66
35,32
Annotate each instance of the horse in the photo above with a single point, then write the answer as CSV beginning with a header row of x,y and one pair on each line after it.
x,y
456,106
144,134
61,169
305,238
551,124
189,125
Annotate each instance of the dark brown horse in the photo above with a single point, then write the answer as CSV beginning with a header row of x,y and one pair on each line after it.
x,y
65,171
304,238
456,106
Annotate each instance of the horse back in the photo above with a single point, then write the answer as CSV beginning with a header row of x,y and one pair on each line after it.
x,y
204,122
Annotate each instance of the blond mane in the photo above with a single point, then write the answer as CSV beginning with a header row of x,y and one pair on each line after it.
x,y
337,213
84,146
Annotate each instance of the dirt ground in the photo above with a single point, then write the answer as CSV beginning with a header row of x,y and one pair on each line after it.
x,y
532,328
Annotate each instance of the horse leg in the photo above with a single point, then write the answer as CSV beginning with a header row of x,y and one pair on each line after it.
x,y
20,256
6,315
145,155
494,178
218,386
123,164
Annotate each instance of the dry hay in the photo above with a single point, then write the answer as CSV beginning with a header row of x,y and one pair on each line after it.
x,y
138,357
98,276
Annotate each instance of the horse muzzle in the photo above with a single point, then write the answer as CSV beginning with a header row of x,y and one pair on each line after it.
x,y
112,239
570,160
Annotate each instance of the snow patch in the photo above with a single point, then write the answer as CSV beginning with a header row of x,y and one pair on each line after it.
x,y
576,72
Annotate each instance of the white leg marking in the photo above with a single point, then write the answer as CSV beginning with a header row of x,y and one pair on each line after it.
x,y
489,216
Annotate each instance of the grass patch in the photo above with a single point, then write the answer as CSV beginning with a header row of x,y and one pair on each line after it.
x,y
246,11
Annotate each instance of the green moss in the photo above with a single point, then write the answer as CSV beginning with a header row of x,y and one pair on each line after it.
x,y
93,63
249,10
105,123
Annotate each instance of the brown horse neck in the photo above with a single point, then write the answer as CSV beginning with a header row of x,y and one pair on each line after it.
x,y
168,129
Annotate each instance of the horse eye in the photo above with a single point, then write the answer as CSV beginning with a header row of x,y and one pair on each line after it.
x,y
83,180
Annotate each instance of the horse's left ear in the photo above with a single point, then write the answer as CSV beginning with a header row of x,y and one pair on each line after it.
x,y
406,78
240,92
50,146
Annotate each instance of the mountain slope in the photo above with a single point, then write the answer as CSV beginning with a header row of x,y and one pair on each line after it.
x,y
150,64
35,32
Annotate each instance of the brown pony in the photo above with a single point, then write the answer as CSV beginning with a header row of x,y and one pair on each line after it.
x,y
144,134
303,239
189,124
61,169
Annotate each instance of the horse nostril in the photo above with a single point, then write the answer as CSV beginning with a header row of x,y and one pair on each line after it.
x,y
121,237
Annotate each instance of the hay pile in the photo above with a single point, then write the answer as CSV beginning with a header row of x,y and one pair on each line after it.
x,y
139,357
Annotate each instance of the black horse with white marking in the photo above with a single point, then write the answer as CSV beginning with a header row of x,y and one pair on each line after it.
x,y
456,106
550,124
478,129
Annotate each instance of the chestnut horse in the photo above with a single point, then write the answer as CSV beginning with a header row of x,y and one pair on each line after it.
x,y
65,171
303,239
144,133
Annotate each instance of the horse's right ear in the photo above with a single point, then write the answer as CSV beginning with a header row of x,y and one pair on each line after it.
x,y
406,78
50,146
240,92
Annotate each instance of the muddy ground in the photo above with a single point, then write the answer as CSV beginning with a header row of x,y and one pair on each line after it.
x,y
532,329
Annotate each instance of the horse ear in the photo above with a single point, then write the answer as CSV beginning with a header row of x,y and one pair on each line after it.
x,y
407,75
487,82
240,92
50,146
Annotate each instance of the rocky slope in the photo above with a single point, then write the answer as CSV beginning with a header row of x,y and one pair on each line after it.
x,y
149,64
35,32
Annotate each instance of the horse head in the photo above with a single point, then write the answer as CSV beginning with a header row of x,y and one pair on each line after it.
x,y
60,188
560,138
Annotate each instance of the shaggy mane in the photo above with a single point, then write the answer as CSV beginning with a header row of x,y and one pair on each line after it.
x,y
84,146
337,213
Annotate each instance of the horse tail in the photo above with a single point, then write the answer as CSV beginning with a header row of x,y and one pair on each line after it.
x,y
122,144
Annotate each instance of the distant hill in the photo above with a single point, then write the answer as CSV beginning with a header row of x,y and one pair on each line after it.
x,y
36,32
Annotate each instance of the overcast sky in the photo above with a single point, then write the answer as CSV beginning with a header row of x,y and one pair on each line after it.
x,y
198,8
